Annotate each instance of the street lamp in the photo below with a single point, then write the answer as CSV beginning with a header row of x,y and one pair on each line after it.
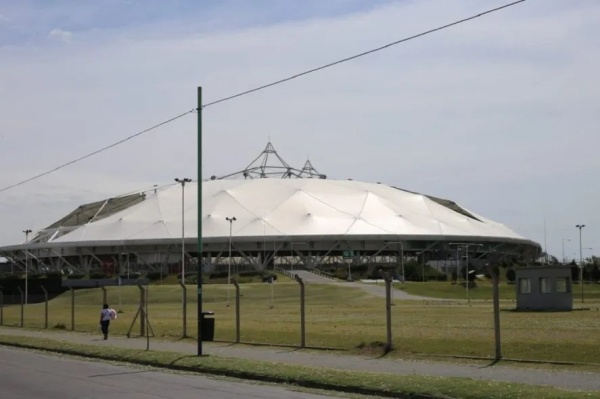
x,y
401,243
563,248
466,247
292,252
27,231
126,254
580,226
182,182
230,220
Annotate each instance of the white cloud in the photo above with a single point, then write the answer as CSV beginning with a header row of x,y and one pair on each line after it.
x,y
499,114
62,35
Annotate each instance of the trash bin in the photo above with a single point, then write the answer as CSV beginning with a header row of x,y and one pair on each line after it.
x,y
208,326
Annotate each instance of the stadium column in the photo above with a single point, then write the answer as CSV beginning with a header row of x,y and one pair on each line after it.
x,y
199,201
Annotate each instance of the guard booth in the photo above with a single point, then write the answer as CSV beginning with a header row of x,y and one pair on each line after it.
x,y
544,288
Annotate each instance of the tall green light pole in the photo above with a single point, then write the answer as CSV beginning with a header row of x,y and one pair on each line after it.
x,y
200,264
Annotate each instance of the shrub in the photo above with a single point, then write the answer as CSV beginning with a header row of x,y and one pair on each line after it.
x,y
97,275
76,276
54,275
132,276
511,275
154,276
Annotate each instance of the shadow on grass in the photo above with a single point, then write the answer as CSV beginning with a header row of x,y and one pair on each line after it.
x,y
174,361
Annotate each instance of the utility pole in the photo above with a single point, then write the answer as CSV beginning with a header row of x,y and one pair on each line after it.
x,y
183,182
27,231
230,220
580,226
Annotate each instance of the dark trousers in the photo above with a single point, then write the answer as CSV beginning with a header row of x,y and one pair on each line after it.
x,y
104,325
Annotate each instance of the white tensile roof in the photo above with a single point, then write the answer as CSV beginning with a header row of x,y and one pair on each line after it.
x,y
287,207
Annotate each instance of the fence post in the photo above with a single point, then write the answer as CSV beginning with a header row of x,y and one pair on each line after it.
x,y
302,313
45,306
105,296
496,299
388,312
72,309
142,307
184,308
1,307
237,310
22,306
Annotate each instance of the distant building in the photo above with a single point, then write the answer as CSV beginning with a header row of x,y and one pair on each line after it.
x,y
544,288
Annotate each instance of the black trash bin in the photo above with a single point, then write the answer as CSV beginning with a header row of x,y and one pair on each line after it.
x,y
208,326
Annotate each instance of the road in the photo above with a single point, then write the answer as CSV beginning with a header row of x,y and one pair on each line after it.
x,y
31,375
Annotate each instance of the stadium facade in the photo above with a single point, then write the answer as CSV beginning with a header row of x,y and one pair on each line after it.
x,y
284,217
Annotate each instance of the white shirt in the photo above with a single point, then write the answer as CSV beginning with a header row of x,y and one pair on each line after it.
x,y
106,314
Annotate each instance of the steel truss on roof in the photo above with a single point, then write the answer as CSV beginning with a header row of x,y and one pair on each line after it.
x,y
260,168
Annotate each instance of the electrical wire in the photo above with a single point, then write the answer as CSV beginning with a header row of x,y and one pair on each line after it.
x,y
362,54
91,154
261,88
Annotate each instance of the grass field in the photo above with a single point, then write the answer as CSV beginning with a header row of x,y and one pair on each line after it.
x,y
343,317
307,378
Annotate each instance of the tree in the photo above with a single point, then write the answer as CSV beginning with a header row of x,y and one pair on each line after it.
x,y
511,275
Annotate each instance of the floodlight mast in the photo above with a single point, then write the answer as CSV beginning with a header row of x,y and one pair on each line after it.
x,y
580,227
27,231
199,248
230,220
466,246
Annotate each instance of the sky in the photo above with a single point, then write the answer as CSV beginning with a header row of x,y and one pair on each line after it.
x,y
500,114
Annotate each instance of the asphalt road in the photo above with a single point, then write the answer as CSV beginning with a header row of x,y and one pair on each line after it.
x,y
31,375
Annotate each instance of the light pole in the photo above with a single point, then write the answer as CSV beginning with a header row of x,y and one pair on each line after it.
x,y
563,248
401,243
182,182
580,226
27,231
292,252
127,254
230,220
466,247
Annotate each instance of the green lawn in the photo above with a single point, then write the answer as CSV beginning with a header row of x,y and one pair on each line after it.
x,y
352,382
342,317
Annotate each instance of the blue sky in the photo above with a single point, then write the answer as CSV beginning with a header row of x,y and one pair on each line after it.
x,y
31,21
499,114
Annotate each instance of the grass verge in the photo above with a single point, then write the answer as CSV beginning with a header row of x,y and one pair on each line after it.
x,y
383,385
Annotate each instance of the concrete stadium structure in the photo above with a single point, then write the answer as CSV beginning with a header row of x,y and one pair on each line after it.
x,y
284,217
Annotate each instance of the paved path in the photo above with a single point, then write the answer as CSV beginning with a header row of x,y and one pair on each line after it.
x,y
377,290
339,360
311,278
31,375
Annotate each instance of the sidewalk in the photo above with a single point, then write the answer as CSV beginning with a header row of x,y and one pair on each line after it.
x,y
336,360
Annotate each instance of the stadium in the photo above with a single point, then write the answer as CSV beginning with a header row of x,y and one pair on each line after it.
x,y
269,216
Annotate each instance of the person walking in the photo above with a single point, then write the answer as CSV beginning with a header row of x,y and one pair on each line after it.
x,y
106,315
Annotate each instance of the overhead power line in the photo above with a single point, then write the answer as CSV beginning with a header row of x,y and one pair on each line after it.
x,y
261,88
362,54
91,154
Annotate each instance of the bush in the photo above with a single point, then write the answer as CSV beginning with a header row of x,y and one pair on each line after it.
x,y
76,276
511,275
193,278
54,275
214,275
98,275
154,276
132,276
